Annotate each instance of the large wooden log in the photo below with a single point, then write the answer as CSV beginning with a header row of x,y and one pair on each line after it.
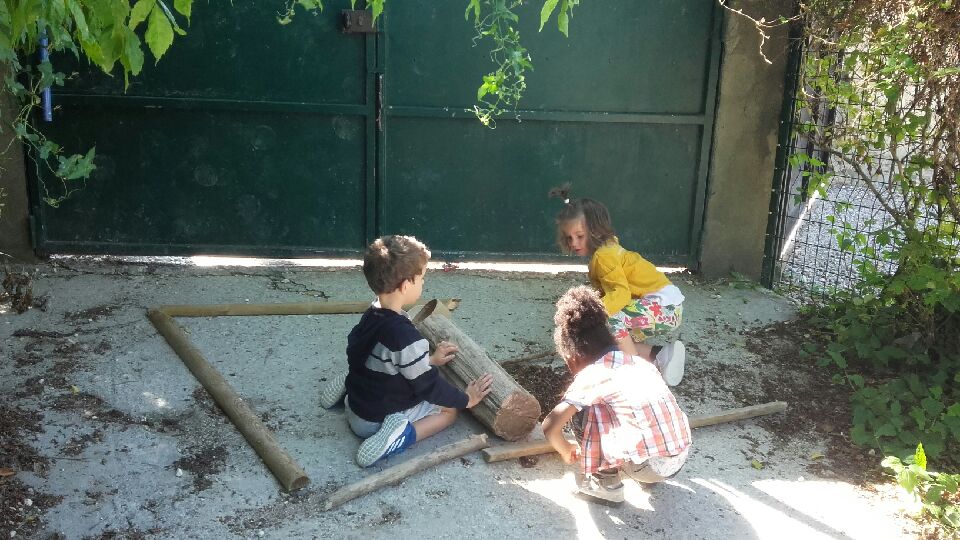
x,y
508,410
533,448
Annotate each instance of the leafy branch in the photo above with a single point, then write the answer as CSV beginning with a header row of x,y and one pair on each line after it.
x,y
106,32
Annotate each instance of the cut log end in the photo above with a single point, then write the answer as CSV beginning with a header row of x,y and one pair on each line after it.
x,y
517,416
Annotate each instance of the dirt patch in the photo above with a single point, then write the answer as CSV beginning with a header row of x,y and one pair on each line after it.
x,y
546,383
91,314
92,407
17,290
736,383
77,445
24,359
816,405
203,463
41,334
205,401
14,452
21,514
22,508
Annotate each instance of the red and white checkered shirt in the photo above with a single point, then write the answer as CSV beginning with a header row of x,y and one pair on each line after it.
x,y
631,415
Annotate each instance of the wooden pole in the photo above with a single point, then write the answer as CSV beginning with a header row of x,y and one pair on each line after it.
x,y
290,475
533,448
529,357
300,308
508,410
395,474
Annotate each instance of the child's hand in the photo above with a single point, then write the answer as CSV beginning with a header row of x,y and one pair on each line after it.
x,y
478,389
444,353
571,453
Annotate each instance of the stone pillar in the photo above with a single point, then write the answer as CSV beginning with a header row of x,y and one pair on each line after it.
x,y
746,128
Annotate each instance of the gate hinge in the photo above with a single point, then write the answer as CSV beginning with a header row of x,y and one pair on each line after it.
x,y
358,21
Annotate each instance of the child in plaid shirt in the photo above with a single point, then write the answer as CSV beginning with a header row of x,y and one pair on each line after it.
x,y
631,422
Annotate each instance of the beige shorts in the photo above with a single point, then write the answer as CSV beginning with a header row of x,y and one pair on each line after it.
x,y
656,469
365,428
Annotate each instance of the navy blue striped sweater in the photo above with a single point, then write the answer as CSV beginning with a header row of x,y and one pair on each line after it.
x,y
390,368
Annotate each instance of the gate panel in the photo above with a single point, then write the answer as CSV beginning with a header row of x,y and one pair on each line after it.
x,y
623,109
248,137
455,183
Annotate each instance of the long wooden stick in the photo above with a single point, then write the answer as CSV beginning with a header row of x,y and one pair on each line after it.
x,y
532,448
395,474
538,356
299,308
290,475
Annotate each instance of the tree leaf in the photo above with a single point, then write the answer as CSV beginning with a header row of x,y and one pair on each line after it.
x,y
159,35
141,10
184,7
549,6
79,19
563,19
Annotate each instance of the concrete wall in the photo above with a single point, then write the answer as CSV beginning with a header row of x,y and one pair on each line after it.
x,y
744,141
14,215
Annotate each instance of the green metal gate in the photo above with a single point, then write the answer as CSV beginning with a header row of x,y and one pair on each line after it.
x,y
255,139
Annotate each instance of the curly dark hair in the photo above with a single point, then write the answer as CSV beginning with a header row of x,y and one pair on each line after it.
x,y
391,260
581,333
595,216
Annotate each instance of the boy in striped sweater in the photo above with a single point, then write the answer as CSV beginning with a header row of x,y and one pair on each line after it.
x,y
395,395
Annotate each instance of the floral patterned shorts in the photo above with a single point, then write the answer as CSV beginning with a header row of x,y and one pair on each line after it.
x,y
645,317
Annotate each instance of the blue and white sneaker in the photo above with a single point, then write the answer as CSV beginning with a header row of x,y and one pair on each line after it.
x,y
670,361
333,391
395,435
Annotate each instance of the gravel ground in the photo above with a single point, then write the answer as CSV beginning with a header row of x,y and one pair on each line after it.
x,y
105,434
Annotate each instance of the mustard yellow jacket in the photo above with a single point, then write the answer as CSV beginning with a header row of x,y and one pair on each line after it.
x,y
621,275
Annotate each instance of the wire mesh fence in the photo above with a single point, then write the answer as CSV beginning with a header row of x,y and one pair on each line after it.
x,y
834,210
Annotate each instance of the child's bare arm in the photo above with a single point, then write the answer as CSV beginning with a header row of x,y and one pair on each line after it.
x,y
553,430
478,389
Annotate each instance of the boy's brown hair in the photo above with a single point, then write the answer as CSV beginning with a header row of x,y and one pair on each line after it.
x,y
391,260
595,216
581,333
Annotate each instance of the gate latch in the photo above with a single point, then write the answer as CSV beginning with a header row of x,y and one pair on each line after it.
x,y
357,21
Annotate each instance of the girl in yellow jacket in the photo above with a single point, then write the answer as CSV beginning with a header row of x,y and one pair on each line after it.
x,y
639,299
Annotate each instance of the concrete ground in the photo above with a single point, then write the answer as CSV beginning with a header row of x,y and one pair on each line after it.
x,y
116,439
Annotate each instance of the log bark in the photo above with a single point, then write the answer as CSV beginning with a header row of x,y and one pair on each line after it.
x,y
290,475
299,308
508,410
533,448
395,474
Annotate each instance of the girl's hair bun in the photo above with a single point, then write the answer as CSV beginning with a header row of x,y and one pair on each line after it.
x,y
560,192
